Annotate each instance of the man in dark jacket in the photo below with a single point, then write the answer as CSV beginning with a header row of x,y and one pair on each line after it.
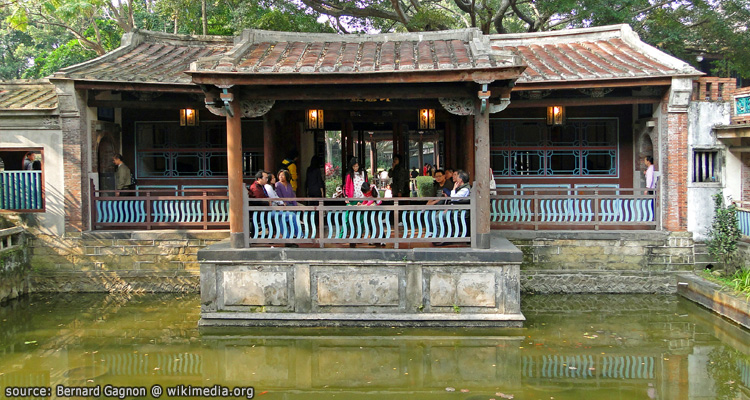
x,y
256,190
400,177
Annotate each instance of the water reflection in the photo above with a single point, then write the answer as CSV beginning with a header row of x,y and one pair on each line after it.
x,y
573,347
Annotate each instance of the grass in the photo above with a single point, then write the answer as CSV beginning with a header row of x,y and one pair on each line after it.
x,y
739,282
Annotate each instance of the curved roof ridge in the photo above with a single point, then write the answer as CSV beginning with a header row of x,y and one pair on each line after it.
x,y
257,36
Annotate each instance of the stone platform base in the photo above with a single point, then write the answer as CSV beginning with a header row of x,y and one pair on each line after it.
x,y
378,287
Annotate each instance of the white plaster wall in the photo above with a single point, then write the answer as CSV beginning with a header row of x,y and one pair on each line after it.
x,y
702,117
52,221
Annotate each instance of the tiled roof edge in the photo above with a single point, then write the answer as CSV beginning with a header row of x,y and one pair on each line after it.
x,y
558,36
630,37
135,37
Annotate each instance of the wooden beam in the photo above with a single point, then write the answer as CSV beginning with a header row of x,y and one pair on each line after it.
x,y
148,105
138,87
634,82
587,101
733,134
740,149
396,77
341,92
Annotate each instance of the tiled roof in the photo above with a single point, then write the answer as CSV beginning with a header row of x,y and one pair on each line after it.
x,y
149,57
602,53
265,52
27,95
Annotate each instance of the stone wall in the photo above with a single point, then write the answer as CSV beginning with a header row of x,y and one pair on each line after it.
x,y
14,264
602,262
119,261
337,287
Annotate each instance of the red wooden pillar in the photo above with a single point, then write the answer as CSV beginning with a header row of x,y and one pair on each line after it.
x,y
234,168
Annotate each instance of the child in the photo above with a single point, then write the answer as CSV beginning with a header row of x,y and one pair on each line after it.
x,y
370,191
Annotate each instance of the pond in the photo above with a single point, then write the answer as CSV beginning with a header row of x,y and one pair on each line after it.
x,y
572,347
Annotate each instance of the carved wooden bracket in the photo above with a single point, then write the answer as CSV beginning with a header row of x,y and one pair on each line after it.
x,y
458,105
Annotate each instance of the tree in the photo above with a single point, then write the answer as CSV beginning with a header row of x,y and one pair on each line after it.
x,y
81,18
678,27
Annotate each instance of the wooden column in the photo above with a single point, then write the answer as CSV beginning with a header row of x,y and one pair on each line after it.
x,y
397,138
234,168
373,158
481,174
269,149
436,154
420,156
467,146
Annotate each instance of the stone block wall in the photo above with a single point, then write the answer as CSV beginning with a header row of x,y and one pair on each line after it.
x,y
118,261
14,264
603,262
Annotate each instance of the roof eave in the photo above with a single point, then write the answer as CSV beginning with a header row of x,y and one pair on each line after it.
x,y
380,77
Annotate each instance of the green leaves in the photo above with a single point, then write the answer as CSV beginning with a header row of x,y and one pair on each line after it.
x,y
724,233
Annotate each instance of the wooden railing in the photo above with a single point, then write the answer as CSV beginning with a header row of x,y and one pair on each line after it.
x,y
149,209
21,191
551,208
395,221
743,216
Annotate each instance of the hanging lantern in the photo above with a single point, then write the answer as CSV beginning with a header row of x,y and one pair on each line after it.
x,y
188,117
427,119
555,115
314,120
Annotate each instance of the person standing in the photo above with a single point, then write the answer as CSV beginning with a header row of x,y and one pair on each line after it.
x,y
650,179
28,161
316,186
290,164
354,179
122,173
400,178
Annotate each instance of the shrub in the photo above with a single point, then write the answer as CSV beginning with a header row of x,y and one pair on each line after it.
x,y
724,234
425,187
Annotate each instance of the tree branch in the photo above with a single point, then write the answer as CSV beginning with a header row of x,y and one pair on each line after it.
x,y
337,10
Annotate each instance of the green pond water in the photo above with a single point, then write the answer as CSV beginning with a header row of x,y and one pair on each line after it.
x,y
572,347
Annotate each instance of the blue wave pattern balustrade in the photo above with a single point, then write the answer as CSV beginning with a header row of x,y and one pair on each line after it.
x,y
164,210
435,224
330,221
21,190
359,224
554,208
275,224
588,367
743,218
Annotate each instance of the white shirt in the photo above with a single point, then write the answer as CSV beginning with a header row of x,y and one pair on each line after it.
x,y
271,192
650,182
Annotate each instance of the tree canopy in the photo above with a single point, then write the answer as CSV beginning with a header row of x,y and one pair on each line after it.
x,y
38,37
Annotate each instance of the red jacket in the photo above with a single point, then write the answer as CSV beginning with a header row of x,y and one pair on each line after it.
x,y
256,191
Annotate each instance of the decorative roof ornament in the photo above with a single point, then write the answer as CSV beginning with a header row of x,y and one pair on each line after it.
x,y
255,108
458,105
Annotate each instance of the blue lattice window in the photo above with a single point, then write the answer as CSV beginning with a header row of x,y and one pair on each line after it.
x,y
742,105
166,150
581,147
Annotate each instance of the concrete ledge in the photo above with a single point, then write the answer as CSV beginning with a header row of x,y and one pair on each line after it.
x,y
126,281
373,320
157,235
501,251
715,298
583,235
